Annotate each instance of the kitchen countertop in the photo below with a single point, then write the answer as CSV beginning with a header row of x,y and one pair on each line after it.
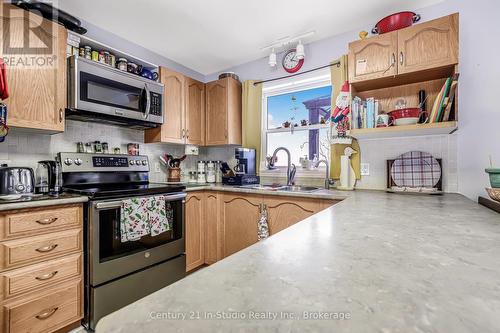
x,y
383,262
42,201
318,194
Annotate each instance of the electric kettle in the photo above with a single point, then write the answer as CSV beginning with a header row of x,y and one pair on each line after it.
x,y
48,177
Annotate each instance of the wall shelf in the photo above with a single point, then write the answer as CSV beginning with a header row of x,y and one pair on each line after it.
x,y
96,45
447,127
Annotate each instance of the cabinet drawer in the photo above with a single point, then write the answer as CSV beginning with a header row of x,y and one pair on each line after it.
x,y
35,221
44,312
18,252
30,278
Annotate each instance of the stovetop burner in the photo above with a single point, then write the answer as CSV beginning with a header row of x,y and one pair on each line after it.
x,y
114,190
110,176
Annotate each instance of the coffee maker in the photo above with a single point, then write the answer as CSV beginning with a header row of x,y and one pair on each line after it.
x,y
244,171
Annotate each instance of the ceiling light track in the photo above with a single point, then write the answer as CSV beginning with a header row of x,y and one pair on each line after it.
x,y
336,63
285,41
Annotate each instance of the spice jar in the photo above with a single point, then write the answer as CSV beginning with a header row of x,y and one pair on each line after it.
x,y
95,56
105,148
112,59
201,178
107,58
88,52
81,52
80,148
97,147
122,64
192,177
88,148
102,57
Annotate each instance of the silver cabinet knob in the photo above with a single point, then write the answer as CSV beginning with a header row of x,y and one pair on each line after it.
x,y
144,162
78,161
68,161
131,162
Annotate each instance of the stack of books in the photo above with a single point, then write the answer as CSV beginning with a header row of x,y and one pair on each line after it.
x,y
364,113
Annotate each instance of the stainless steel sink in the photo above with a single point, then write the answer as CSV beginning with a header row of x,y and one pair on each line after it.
x,y
295,188
298,188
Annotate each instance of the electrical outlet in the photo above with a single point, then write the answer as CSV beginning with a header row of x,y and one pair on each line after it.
x,y
365,169
157,167
191,150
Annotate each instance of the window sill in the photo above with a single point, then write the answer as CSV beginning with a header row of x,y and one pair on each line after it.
x,y
301,173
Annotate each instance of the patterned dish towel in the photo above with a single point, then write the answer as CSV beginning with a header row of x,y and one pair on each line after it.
x,y
134,219
144,216
262,226
161,215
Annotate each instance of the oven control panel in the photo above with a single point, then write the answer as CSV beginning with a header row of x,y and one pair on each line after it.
x,y
108,161
82,162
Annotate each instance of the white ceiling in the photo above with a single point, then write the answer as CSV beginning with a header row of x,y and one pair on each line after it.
x,y
211,35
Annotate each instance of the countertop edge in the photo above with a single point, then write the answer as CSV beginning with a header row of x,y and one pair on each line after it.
x,y
319,194
42,203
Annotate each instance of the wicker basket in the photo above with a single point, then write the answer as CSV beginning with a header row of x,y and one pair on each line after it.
x,y
494,193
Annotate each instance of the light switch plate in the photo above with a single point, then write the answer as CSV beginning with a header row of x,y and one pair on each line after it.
x,y
157,167
365,169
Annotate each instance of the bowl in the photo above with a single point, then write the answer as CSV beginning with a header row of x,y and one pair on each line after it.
x,y
407,116
494,193
405,121
494,177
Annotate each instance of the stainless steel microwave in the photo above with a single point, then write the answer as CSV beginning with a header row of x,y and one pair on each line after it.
x,y
98,92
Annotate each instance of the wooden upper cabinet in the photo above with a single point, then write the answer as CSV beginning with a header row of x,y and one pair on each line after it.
x,y
36,70
195,231
172,129
428,45
373,58
284,212
195,112
239,216
223,112
430,48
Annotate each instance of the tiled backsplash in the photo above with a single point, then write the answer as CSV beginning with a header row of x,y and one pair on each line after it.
x,y
25,149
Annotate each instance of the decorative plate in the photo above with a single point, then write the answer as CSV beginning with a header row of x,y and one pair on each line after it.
x,y
416,169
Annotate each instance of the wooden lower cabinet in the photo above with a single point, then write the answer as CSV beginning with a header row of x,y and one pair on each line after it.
x,y
46,311
213,235
283,212
239,214
41,269
219,224
195,234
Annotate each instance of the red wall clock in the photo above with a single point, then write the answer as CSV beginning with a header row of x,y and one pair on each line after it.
x,y
290,62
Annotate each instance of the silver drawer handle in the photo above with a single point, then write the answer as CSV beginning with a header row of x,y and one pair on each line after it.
x,y
47,248
47,221
47,313
46,276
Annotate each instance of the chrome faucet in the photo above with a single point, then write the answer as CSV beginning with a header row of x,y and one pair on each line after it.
x,y
328,181
290,172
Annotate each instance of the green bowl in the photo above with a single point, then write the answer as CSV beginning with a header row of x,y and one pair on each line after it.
x,y
494,177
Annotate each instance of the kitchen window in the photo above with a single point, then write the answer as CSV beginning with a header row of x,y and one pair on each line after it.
x,y
296,116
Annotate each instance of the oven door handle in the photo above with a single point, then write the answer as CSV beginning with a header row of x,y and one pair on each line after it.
x,y
118,203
